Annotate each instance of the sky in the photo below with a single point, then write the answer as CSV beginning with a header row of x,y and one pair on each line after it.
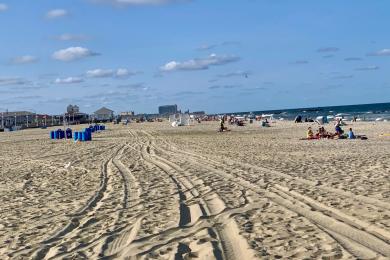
x,y
217,56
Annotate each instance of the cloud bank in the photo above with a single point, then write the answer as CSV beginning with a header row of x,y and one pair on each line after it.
x,y
71,37
3,7
352,59
56,13
26,59
383,52
299,62
368,68
207,47
199,64
69,80
13,81
235,74
328,49
73,53
108,73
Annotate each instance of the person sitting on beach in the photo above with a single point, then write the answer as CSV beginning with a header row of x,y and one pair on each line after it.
x,y
298,119
320,133
325,134
310,134
351,135
339,130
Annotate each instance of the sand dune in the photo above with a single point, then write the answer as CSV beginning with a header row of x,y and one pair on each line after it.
x,y
149,191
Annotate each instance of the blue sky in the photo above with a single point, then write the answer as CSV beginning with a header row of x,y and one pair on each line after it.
x,y
218,56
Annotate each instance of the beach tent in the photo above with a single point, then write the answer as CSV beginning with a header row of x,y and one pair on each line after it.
x,y
172,118
181,120
267,116
322,120
185,119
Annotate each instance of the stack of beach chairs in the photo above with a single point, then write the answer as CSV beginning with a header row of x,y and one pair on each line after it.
x,y
83,136
61,134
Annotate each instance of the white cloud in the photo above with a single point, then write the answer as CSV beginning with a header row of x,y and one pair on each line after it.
x,y
353,59
341,76
122,73
99,73
138,2
56,13
13,81
135,86
69,80
299,62
3,7
199,64
328,49
207,47
368,68
235,74
71,37
73,53
108,73
26,59
383,52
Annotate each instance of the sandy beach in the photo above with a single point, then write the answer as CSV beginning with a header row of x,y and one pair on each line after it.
x,y
150,191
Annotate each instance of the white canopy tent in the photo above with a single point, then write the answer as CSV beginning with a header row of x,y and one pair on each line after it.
x,y
181,120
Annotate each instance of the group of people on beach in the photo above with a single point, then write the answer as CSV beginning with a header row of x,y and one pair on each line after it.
x,y
339,133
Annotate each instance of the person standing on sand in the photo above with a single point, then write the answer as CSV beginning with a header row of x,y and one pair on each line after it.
x,y
222,125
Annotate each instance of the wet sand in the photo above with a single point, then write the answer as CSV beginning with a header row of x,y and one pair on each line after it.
x,y
150,191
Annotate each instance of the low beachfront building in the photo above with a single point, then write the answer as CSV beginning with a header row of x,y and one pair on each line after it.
x,y
129,116
103,115
24,119
198,113
17,118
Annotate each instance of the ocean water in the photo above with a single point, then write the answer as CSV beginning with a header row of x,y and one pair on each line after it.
x,y
364,112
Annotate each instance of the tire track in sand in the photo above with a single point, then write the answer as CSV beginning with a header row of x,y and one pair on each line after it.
x,y
117,241
124,224
231,244
80,219
362,239
267,171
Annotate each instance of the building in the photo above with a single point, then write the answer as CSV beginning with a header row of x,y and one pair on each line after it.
x,y
131,113
24,119
74,116
72,109
103,115
167,110
17,118
198,113
127,115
